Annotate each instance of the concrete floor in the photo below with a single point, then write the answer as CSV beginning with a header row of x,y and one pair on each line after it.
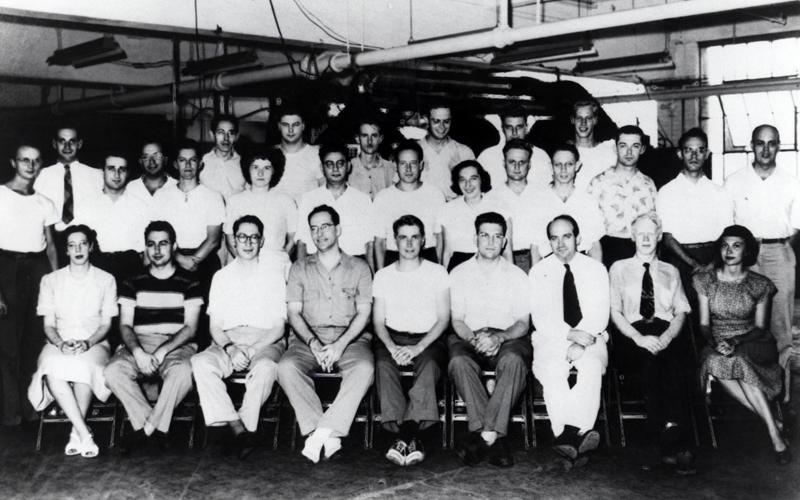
x,y
743,467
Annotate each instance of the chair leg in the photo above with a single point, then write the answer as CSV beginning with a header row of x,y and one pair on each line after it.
x,y
526,417
451,424
532,411
275,433
39,432
114,416
604,408
618,398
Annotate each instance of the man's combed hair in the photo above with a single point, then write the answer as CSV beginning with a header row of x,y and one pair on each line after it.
x,y
568,218
161,225
224,118
408,220
696,133
490,218
407,145
518,144
630,130
332,147
565,146
248,219
326,209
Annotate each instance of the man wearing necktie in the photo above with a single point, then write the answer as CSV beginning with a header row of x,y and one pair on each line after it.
x,y
68,182
649,308
569,308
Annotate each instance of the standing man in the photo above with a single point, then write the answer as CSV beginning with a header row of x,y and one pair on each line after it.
x,y
569,308
410,313
353,206
597,157
329,298
247,310
303,171
370,172
649,309
693,211
441,153
409,196
159,310
154,176
514,123
766,200
196,212
119,220
490,324
27,252
222,169
68,183
623,193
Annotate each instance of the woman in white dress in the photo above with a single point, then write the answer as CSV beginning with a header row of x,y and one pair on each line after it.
x,y
77,303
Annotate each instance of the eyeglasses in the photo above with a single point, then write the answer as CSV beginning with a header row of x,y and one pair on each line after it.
x,y
338,163
321,228
251,238
28,162
152,157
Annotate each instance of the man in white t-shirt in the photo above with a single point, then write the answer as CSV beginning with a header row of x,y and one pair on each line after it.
x,y
595,156
153,164
409,196
491,324
411,310
440,151
247,310
514,123
27,252
222,170
303,169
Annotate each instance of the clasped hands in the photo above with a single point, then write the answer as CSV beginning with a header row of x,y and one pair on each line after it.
x,y
580,341
652,343
404,355
74,346
148,363
327,355
486,342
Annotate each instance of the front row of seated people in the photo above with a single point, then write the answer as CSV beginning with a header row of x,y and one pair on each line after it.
x,y
486,300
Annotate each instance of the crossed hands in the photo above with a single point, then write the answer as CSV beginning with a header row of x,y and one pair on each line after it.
x,y
239,358
404,355
580,341
652,343
486,343
327,355
74,346
724,347
148,363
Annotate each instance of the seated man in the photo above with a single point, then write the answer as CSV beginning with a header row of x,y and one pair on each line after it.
x,y
329,298
649,307
569,309
411,310
247,310
491,324
159,310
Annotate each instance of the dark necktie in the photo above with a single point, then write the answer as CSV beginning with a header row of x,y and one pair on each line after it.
x,y
67,210
572,308
647,304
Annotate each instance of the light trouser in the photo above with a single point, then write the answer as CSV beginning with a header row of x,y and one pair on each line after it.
x,y
122,377
776,261
357,370
576,406
213,365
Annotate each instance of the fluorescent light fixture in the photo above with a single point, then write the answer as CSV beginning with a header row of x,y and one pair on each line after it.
x,y
627,64
542,52
228,62
97,51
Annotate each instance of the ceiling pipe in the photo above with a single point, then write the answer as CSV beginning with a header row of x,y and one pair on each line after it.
x,y
497,38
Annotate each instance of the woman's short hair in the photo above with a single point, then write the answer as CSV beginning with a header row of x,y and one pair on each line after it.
x,y
91,235
486,180
274,156
751,245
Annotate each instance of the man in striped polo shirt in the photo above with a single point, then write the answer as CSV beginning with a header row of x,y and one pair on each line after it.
x,y
159,310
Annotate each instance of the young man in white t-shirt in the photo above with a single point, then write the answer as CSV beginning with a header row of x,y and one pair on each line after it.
x,y
303,168
411,310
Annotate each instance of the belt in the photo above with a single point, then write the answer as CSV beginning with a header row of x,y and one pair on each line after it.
x,y
20,255
698,245
770,241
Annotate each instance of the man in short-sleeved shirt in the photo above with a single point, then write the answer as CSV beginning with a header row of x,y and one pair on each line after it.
x,y
221,170
649,309
370,172
623,193
247,311
490,322
766,200
353,206
27,253
409,196
303,170
152,163
159,310
410,313
329,296
440,151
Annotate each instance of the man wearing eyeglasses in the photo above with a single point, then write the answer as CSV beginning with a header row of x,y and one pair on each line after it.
x,y
247,311
693,211
353,206
329,296
68,182
196,212
27,253
154,176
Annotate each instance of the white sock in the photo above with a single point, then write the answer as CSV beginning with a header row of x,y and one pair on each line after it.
x,y
332,445
489,437
314,443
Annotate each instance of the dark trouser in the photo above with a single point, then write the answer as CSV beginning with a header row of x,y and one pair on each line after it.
x,y
662,380
522,259
458,258
615,249
511,366
392,256
422,405
21,331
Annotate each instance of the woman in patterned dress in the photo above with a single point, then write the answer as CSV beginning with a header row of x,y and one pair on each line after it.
x,y
733,308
